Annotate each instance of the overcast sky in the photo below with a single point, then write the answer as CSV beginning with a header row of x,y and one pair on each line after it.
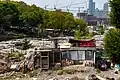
x,y
61,3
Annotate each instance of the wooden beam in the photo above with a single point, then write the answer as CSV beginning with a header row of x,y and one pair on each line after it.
x,y
53,57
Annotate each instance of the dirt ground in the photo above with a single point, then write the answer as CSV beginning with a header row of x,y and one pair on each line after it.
x,y
67,72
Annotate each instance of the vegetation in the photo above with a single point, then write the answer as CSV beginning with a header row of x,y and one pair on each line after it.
x,y
16,55
112,44
112,37
60,72
115,12
81,30
98,70
25,44
102,30
18,17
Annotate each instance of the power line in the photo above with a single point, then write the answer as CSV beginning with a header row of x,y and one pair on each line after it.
x,y
75,4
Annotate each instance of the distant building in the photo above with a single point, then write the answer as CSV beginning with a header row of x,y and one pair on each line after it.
x,y
101,14
105,7
89,19
91,9
82,16
94,20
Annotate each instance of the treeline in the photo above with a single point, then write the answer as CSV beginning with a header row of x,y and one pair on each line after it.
x,y
19,17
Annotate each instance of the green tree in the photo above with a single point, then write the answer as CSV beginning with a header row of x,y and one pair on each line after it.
x,y
32,16
69,22
115,13
8,15
78,34
56,19
59,20
81,29
112,45
81,25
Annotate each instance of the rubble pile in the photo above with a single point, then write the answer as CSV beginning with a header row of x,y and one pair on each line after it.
x,y
67,62
3,63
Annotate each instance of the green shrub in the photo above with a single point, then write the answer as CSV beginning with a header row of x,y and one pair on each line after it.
x,y
69,71
15,55
60,72
98,70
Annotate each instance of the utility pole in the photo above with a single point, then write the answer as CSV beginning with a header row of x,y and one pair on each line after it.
x,y
79,8
46,6
67,9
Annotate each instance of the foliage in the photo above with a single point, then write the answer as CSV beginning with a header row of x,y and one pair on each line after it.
x,y
31,20
8,14
98,70
112,45
25,44
81,35
102,29
81,30
15,55
115,12
78,34
81,25
60,72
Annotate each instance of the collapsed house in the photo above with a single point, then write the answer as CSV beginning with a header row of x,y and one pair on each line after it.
x,y
48,53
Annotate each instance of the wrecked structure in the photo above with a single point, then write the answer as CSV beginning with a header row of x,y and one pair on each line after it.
x,y
52,52
60,50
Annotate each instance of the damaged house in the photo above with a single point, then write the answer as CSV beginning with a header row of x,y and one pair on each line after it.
x,y
47,53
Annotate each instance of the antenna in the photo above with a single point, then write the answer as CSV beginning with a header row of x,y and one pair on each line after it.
x,y
55,7
57,3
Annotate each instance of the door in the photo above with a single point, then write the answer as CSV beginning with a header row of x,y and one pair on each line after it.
x,y
89,55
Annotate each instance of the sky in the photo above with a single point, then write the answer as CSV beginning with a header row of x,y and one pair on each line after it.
x,y
62,3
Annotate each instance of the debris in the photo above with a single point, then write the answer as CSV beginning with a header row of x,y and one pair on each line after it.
x,y
17,78
53,79
34,79
15,67
74,78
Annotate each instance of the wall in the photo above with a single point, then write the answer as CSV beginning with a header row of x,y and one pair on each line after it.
x,y
78,55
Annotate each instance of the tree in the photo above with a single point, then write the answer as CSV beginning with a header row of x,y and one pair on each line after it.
x,y
8,15
115,13
78,34
69,22
81,29
112,45
32,16
81,25
56,19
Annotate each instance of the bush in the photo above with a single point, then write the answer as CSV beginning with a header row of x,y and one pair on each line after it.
x,y
69,71
60,72
34,73
15,55
98,70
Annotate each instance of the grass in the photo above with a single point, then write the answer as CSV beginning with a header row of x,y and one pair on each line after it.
x,y
60,72
98,70
66,71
